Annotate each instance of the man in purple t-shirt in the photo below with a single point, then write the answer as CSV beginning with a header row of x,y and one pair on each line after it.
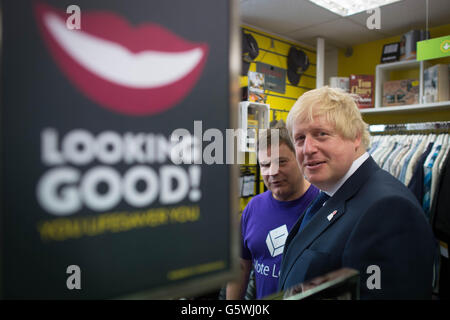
x,y
268,217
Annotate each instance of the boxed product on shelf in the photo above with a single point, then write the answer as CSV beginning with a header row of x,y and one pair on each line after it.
x,y
391,52
362,85
247,184
400,92
340,82
436,83
408,43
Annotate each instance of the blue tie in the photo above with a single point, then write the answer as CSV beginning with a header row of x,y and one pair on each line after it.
x,y
317,204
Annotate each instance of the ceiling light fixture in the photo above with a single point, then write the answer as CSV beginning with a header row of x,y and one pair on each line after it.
x,y
349,7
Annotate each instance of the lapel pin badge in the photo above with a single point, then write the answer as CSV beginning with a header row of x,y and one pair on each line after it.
x,y
331,215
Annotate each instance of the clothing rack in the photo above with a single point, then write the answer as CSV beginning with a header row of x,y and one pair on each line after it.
x,y
440,126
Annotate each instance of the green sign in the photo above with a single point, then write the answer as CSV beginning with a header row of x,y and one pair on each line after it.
x,y
433,48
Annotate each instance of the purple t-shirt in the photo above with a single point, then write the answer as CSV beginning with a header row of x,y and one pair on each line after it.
x,y
265,225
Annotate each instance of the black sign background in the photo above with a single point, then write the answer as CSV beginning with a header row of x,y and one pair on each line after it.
x,y
35,94
274,77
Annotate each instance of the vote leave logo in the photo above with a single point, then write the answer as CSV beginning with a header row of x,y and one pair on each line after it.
x,y
133,70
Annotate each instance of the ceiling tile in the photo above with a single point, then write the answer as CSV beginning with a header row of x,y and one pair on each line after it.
x,y
282,16
339,33
304,21
400,17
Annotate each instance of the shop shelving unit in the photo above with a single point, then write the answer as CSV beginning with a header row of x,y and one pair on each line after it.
x,y
382,75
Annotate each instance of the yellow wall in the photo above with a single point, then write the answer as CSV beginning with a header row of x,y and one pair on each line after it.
x,y
273,50
365,58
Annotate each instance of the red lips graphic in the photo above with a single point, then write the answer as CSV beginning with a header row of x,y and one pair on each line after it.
x,y
135,71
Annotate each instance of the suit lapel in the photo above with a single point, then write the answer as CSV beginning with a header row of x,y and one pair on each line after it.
x,y
329,214
301,241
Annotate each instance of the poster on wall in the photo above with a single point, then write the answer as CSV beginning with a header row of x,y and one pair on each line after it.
x,y
256,87
275,78
104,189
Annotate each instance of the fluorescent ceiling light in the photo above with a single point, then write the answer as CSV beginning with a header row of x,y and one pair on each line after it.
x,y
349,7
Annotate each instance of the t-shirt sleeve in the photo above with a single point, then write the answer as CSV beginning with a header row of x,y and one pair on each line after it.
x,y
245,252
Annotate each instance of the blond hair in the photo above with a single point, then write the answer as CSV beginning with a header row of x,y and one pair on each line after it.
x,y
338,108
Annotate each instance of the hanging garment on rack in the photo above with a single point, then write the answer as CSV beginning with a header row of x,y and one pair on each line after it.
x,y
437,168
385,155
384,146
388,162
421,162
427,176
415,160
398,161
416,182
405,163
431,162
440,220
440,213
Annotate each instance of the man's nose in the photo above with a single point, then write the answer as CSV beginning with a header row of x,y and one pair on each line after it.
x,y
274,168
309,145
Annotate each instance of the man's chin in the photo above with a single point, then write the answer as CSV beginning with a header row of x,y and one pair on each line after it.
x,y
276,193
314,179
280,195
322,184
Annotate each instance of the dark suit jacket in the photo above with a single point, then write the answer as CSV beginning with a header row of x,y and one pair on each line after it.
x,y
440,213
378,222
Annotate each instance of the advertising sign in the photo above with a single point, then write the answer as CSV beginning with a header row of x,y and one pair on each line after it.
x,y
433,48
275,77
104,190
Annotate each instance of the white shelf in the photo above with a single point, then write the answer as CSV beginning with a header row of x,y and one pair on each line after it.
x,y
248,140
435,106
382,75
399,65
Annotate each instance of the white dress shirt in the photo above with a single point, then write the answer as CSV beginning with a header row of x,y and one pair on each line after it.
x,y
355,165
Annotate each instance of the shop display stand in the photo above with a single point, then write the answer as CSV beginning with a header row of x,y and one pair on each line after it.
x,y
382,75
261,116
